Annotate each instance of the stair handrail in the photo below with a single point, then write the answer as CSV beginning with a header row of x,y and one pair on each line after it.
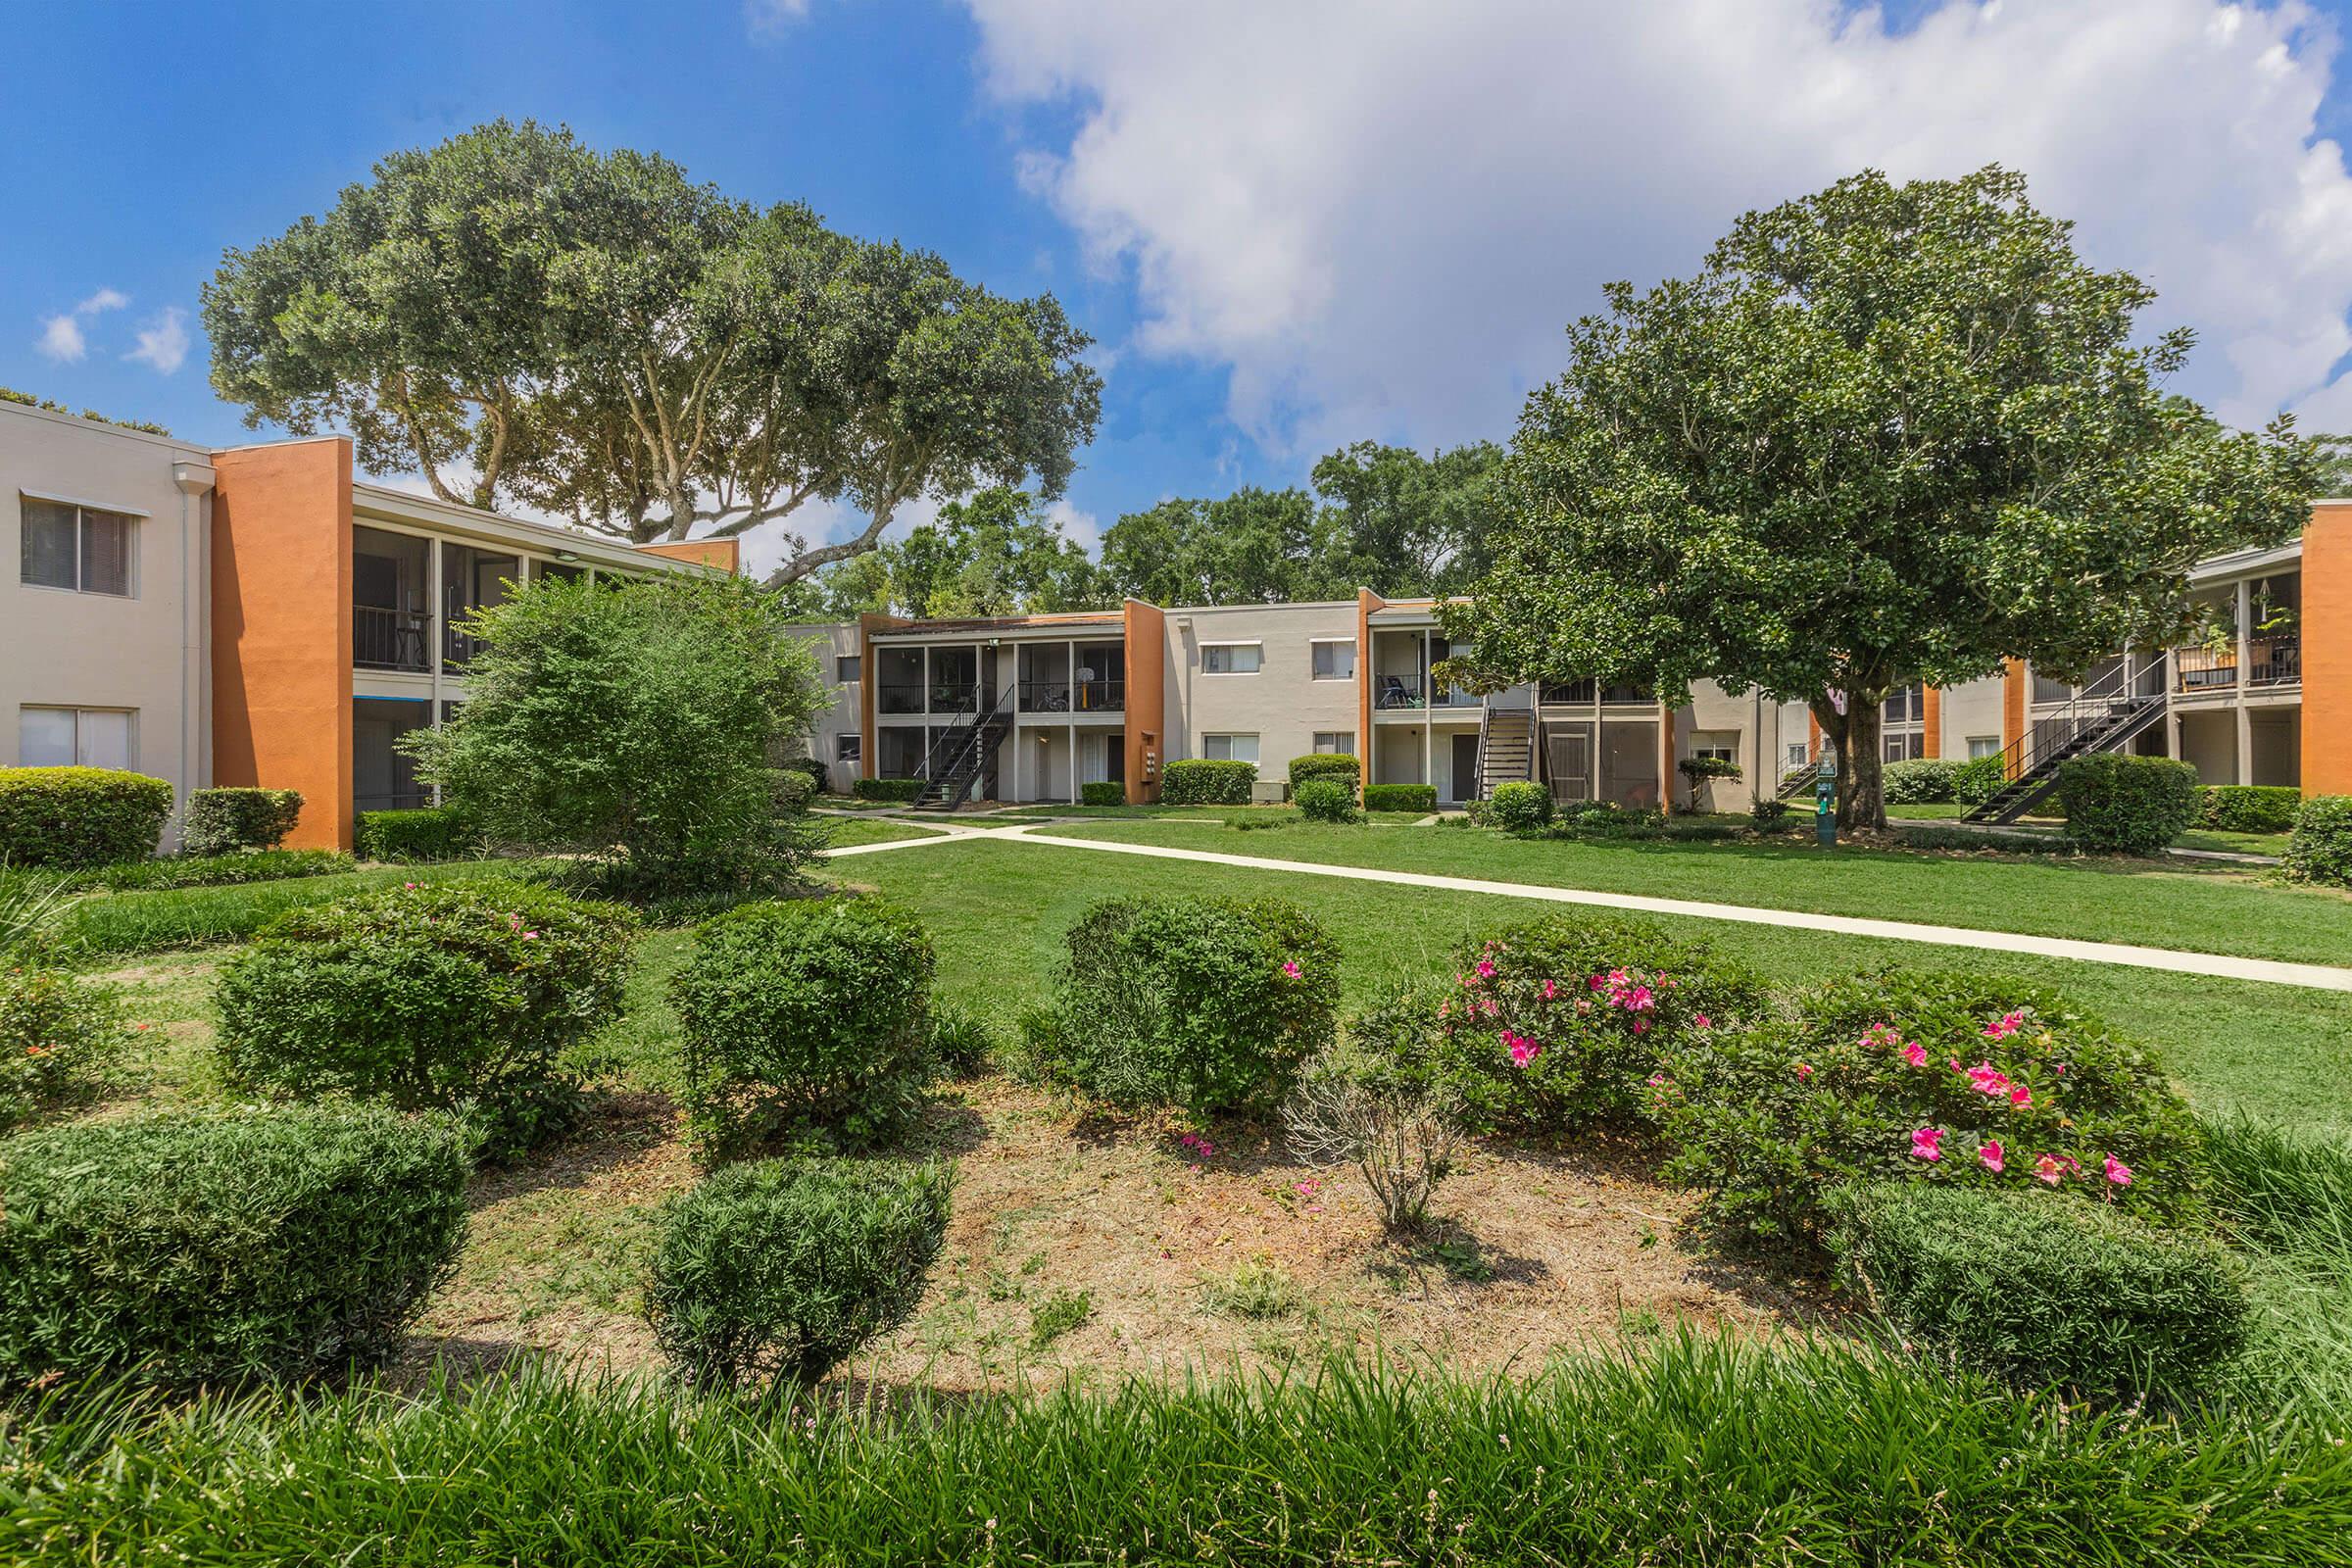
x,y
961,734
2021,756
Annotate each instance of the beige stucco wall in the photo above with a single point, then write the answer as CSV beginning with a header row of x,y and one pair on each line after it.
x,y
146,654
828,643
1971,711
1282,705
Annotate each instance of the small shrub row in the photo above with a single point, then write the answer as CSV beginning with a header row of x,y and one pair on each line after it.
x,y
1401,797
1338,766
224,822
218,871
1206,781
897,791
2320,849
1103,792
2248,807
432,833
1326,800
62,817
2126,805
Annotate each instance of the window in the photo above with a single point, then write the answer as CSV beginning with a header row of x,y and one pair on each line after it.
x,y
846,667
1905,706
1335,742
73,737
1983,746
1906,746
1229,747
845,748
1333,658
66,546
1798,757
1230,659
1717,754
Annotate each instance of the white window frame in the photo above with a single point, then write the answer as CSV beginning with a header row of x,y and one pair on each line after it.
x,y
1720,753
1336,737
1256,648
856,662
1983,746
1314,643
849,748
130,734
1225,738
130,517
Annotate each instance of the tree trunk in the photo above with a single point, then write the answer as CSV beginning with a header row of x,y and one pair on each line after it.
x,y
1854,737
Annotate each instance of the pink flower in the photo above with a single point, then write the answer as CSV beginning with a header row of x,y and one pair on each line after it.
x,y
1926,1144
530,936
1445,1007
2021,1097
1990,1156
2046,1171
1523,1049
1703,1021
1640,1026
1551,988
1657,1080
1486,969
1916,1053
2007,1024
1290,968
1594,984
2119,1174
1488,1007
1804,1069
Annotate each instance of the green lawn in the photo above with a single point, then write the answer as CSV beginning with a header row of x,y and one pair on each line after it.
x,y
842,832
2200,838
120,923
2171,904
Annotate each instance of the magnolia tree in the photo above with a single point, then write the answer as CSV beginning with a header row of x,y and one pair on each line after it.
x,y
1887,434
518,317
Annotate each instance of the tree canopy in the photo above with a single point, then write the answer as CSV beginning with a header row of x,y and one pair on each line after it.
x,y
997,553
1888,433
520,317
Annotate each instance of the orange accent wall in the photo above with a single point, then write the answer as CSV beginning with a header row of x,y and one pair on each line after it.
x,y
1145,630
1931,713
2013,713
724,553
2327,651
281,630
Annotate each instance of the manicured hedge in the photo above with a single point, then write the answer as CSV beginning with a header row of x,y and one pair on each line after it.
x,y
816,771
805,1017
1206,1003
1401,797
219,870
1103,793
2320,849
1326,765
224,822
2130,804
1201,781
210,1246
459,996
1517,805
80,816
779,1269
2248,807
901,791
2036,1291
433,833
1326,800
1919,781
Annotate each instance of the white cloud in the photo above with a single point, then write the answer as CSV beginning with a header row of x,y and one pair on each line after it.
x,y
62,339
1379,216
765,19
163,341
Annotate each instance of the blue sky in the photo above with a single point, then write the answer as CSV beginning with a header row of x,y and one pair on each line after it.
x,y
1286,225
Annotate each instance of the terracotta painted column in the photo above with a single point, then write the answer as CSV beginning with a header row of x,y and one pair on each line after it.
x,y
1931,715
2013,713
2326,714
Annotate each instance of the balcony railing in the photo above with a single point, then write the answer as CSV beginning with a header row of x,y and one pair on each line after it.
x,y
1390,692
1084,697
939,697
390,639
2275,662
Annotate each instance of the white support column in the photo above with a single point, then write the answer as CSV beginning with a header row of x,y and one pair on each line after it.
x,y
1073,732
2245,668
437,629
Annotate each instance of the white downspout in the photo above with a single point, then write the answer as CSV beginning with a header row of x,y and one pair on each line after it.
x,y
194,482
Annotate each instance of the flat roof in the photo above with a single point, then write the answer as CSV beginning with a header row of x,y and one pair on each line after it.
x,y
404,506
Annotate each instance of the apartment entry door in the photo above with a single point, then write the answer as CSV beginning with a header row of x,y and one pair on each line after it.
x,y
1568,760
1465,767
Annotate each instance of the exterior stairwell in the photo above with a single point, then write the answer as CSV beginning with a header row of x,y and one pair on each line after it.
x,y
959,757
1506,749
2103,719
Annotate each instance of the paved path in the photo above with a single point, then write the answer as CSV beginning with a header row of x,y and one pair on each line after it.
x,y
2316,976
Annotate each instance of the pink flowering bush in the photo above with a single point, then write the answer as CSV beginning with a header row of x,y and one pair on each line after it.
x,y
1558,1023
59,1035
1949,1079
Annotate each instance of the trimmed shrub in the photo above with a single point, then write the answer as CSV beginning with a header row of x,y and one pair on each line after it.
x,y
220,871
1205,781
1517,806
1921,781
777,1269
1401,797
58,1034
1767,814
2036,1291
80,816
2320,849
816,771
432,833
1947,1078
1560,1022
1979,779
460,996
963,1043
1699,771
211,1246
2248,807
2131,805
805,1017
900,791
1338,766
224,822
1103,792
1326,800
1211,1004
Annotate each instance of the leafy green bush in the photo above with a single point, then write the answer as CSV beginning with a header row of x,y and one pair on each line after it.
x,y
1768,815
1401,797
2128,805
1697,771
459,996
210,1246
1103,792
1202,781
899,791
1953,1079
1339,766
818,774
2320,849
1517,805
219,870
2036,1291
963,1043
432,833
1921,781
1979,779
59,1035
80,816
1326,800
810,1015
1208,1003
2248,807
1560,1022
777,1269
223,821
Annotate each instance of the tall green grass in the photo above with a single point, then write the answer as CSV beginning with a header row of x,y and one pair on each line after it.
x,y
2286,1202
1700,1452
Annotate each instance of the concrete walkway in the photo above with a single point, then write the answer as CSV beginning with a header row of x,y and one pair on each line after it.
x,y
2316,977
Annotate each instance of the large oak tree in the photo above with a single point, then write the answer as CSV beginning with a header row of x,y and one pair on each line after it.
x,y
519,318
1888,433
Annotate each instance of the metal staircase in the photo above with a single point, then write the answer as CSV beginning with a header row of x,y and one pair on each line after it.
x,y
960,756
1506,749
2104,717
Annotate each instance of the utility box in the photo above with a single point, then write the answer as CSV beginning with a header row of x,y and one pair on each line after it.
x,y
1269,792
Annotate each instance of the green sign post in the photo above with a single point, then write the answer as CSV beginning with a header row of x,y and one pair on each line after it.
x,y
1825,800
